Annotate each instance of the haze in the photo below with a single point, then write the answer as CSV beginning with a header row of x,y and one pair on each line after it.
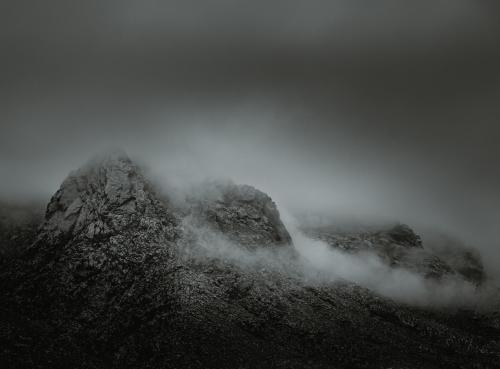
x,y
351,109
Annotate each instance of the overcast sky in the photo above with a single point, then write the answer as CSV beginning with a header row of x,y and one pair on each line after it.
x,y
387,108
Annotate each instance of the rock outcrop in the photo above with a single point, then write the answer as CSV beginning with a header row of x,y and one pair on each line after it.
x,y
399,246
403,235
244,214
107,196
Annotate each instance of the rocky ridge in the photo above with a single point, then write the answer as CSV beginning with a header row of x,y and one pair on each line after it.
x,y
399,246
109,283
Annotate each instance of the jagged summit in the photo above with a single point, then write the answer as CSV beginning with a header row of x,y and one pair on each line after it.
x,y
241,212
103,197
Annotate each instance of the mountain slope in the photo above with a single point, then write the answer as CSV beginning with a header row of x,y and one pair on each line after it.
x,y
18,227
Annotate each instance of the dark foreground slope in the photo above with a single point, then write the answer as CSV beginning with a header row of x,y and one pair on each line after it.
x,y
117,278
18,227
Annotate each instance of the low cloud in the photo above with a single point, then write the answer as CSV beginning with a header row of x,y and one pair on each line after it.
x,y
315,263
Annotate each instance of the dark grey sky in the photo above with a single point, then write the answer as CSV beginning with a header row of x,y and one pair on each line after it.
x,y
387,108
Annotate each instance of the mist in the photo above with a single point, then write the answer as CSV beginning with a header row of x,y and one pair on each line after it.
x,y
350,111
314,263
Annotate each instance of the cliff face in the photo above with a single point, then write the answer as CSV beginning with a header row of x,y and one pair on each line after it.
x,y
115,279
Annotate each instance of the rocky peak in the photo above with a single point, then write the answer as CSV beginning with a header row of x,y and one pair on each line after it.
x,y
104,197
241,212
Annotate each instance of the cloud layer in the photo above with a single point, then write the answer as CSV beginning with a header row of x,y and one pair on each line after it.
x,y
330,107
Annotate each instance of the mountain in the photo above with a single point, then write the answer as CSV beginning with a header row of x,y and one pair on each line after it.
x,y
121,276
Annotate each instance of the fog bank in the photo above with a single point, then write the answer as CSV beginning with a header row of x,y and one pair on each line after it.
x,y
346,109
